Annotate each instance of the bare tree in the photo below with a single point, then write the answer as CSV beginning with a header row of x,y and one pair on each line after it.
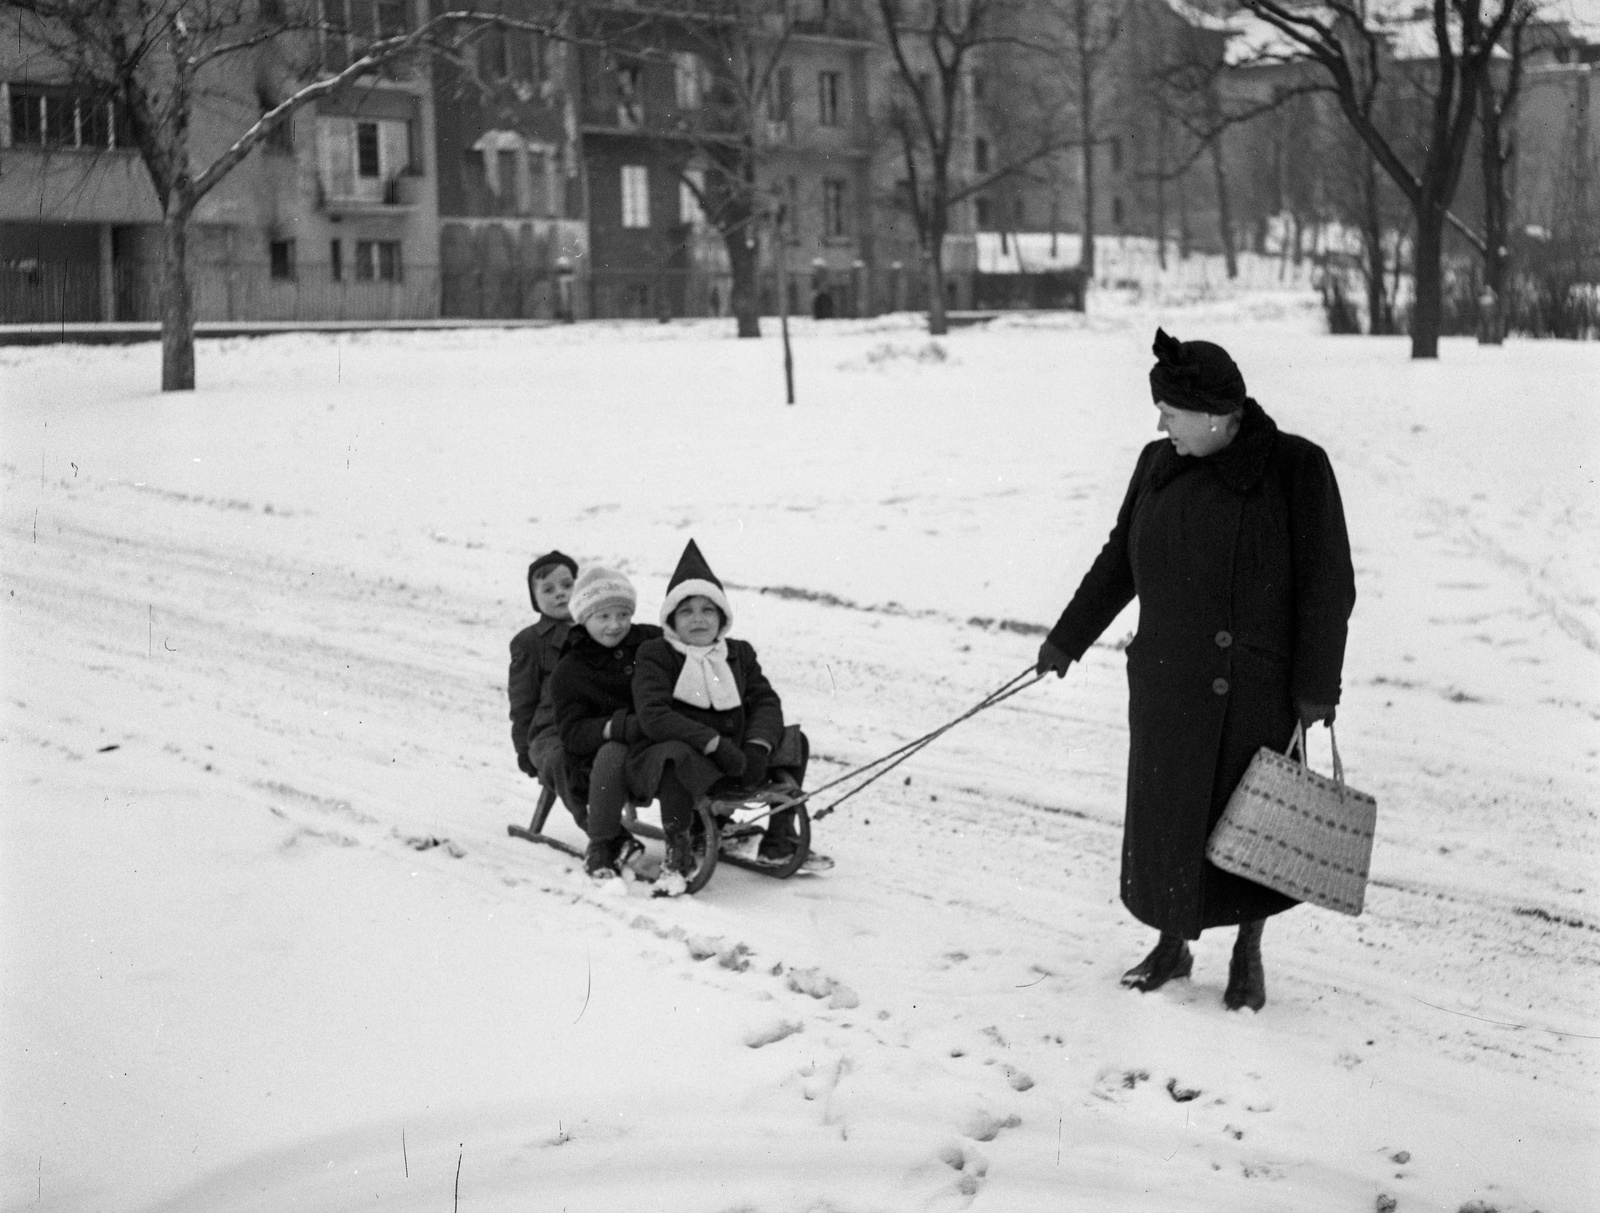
x,y
1085,39
1352,48
1184,85
934,45
747,100
1497,147
161,61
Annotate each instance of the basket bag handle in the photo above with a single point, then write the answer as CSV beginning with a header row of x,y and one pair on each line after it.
x,y
1298,742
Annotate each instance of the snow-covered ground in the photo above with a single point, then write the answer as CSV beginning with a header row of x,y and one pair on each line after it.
x,y
254,654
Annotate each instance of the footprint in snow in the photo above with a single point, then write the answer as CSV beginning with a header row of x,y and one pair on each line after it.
x,y
984,1126
1115,1086
972,1167
773,1033
427,842
819,985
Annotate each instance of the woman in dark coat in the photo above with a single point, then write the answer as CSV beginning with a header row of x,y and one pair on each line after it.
x,y
1232,537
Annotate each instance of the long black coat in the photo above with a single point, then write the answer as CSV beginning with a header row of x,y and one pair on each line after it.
x,y
1241,565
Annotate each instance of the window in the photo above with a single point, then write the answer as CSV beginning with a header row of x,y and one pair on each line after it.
x,y
378,260
336,261
791,207
630,95
985,214
689,210
525,56
350,25
1019,213
834,220
828,88
358,161
686,77
389,16
980,155
1116,211
56,116
1116,155
635,195
279,138
280,258
978,87
367,163
780,95
492,59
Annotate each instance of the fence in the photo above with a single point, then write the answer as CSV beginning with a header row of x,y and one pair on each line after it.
x,y
65,292
657,294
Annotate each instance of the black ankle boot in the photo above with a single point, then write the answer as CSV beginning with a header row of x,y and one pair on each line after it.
x,y
1247,979
1168,959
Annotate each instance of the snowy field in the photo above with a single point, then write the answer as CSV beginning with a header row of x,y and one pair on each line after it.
x,y
255,649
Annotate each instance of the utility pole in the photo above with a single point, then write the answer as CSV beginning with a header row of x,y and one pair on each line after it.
x,y
780,257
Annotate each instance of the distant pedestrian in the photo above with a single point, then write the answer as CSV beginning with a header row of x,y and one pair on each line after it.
x,y
1232,537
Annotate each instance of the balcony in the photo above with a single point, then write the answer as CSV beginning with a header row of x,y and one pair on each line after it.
x,y
372,196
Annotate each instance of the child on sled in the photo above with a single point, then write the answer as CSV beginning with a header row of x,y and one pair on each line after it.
x,y
709,714
592,693
534,653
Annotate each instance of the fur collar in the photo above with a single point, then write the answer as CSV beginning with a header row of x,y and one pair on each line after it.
x,y
1239,465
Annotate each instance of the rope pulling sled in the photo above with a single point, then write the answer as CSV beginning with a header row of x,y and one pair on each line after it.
x,y
776,799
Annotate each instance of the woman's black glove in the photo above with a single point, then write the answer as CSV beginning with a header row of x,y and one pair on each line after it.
x,y
526,765
755,764
1310,713
728,757
1052,661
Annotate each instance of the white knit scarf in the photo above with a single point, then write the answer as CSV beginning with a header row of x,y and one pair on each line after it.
x,y
705,680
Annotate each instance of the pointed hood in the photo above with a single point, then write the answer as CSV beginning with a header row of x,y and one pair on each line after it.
x,y
694,576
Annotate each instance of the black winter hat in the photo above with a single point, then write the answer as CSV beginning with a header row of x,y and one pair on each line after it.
x,y
1195,375
543,564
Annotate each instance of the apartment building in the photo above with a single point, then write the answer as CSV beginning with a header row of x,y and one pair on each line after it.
x,y
512,238
332,217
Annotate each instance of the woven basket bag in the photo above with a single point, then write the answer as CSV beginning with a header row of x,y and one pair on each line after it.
x,y
1296,831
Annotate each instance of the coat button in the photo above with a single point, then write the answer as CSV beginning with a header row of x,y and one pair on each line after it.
x,y
1224,639
1220,686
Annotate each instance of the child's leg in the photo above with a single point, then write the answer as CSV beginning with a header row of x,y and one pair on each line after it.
x,y
677,803
608,791
550,760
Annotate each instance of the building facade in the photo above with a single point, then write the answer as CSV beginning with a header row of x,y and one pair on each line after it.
x,y
332,217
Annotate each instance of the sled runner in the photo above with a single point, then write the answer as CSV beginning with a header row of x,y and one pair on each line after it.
x,y
735,819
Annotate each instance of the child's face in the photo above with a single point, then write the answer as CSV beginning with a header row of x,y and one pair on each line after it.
x,y
609,625
551,591
697,621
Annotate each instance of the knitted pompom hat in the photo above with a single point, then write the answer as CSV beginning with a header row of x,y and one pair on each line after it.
x,y
1195,375
694,576
598,587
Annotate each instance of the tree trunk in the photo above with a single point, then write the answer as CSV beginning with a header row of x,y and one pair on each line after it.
x,y
177,304
1086,252
744,299
933,257
1086,125
1427,307
1224,211
1496,208
1378,319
